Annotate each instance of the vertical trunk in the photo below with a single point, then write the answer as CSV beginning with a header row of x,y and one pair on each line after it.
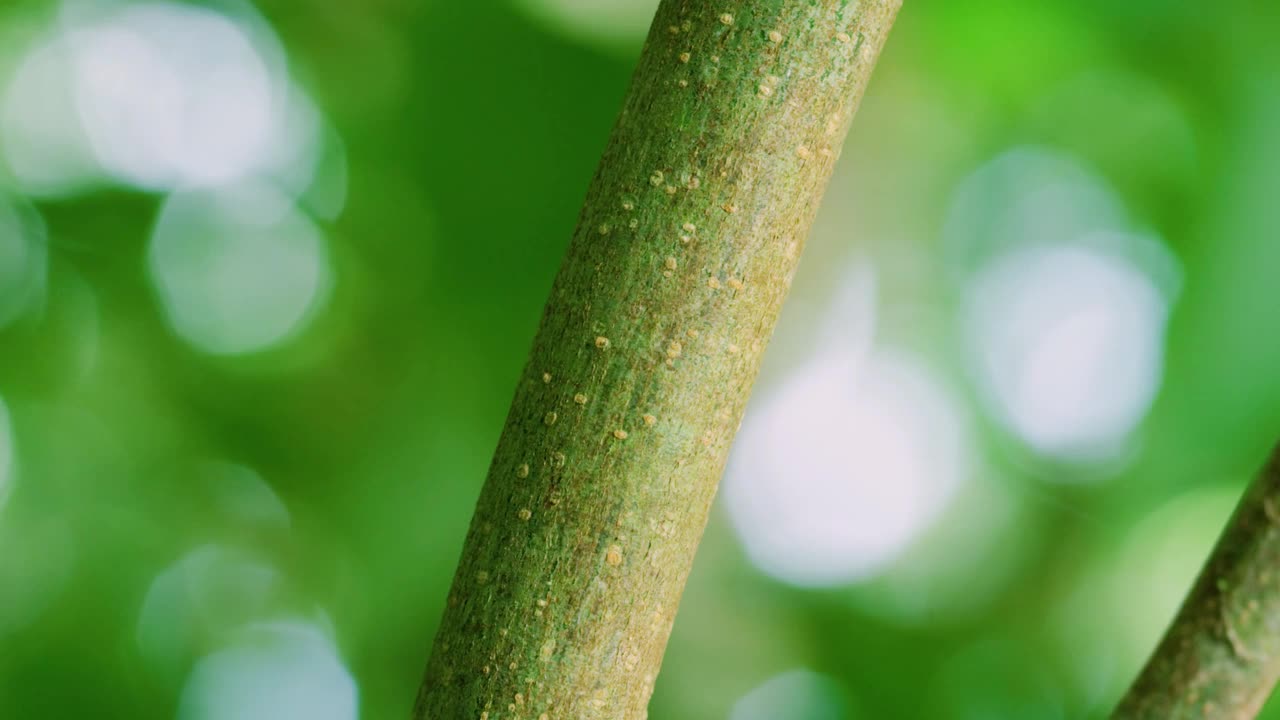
x,y
1221,656
599,489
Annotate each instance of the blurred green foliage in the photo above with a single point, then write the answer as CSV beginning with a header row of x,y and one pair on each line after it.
x,y
471,130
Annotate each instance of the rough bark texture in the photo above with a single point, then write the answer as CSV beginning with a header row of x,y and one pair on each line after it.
x,y
600,486
1221,656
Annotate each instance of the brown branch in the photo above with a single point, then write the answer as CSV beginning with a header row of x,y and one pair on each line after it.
x,y
1221,656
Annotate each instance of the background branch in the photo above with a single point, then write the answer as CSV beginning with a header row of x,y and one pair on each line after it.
x,y
1221,656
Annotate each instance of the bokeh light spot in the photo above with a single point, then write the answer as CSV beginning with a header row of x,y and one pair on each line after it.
x,y
1117,611
284,670
843,466
7,454
23,259
72,319
37,560
1063,304
246,498
608,23
173,95
795,695
1067,344
44,144
193,604
309,159
239,269
1025,195
163,96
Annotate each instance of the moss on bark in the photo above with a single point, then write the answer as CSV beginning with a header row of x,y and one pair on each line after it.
x,y
599,490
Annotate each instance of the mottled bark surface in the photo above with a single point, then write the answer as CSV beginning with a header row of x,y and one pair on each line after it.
x,y
599,490
1221,656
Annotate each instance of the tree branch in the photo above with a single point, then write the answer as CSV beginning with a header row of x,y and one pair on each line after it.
x,y
1221,656
599,490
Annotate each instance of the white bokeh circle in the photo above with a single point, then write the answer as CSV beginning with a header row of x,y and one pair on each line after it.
x,y
238,269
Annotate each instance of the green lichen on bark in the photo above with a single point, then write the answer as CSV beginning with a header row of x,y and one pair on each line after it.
x,y
1220,658
599,490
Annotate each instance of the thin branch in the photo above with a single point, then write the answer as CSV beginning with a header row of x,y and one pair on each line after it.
x,y
1221,656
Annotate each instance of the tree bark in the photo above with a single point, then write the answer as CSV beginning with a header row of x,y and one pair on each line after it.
x,y
1221,656
599,490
